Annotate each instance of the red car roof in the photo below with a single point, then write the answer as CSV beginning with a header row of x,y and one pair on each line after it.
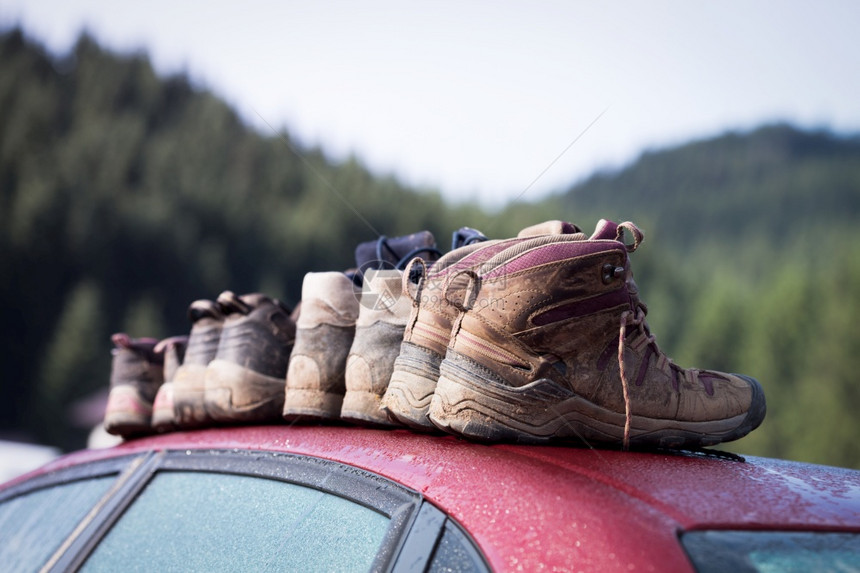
x,y
534,507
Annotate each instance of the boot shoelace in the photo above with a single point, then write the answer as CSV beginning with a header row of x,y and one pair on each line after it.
x,y
637,319
466,236
382,243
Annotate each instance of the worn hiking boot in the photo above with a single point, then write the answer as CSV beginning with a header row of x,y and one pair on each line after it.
x,y
324,334
561,349
245,381
136,375
189,386
382,317
173,350
388,253
425,340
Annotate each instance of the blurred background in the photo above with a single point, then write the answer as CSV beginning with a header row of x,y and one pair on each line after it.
x,y
157,153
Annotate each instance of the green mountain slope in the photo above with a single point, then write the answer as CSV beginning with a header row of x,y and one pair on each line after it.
x,y
772,182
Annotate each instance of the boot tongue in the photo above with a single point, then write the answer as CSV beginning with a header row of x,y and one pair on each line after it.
x,y
245,304
173,349
232,303
256,300
142,346
204,309
605,230
179,342
394,253
554,227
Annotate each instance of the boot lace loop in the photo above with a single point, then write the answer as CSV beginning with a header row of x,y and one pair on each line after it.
x,y
636,319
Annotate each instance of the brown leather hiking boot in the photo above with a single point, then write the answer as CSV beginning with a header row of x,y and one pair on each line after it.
x,y
173,349
136,375
428,330
324,334
382,317
316,376
189,385
559,348
245,381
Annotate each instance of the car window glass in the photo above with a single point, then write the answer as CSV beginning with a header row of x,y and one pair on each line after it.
x,y
455,554
765,551
208,521
34,525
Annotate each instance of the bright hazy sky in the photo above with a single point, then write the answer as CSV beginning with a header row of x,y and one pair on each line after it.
x,y
490,100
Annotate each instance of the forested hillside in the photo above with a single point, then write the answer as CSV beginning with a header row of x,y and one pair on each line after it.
x,y
125,196
773,185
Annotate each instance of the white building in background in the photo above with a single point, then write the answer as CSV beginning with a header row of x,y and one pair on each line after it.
x,y
17,458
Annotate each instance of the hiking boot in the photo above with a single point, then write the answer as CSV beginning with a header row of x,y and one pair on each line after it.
x,y
425,340
382,318
189,386
563,351
136,375
387,253
173,349
324,333
245,381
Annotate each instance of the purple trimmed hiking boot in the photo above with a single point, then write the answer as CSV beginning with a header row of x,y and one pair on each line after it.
x,y
428,330
189,384
245,381
136,375
563,352
173,349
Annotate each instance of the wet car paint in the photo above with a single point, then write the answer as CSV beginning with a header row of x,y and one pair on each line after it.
x,y
545,508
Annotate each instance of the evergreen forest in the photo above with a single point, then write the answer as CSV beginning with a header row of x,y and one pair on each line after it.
x,y
124,196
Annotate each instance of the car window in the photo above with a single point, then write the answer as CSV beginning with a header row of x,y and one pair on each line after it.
x,y
455,553
765,551
216,522
35,524
436,543
225,510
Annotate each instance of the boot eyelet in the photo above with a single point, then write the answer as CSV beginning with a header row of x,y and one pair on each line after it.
x,y
611,272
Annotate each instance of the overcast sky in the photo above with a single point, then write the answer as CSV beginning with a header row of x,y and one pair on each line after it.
x,y
490,100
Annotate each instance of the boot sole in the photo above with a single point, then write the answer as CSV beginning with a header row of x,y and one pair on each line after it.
x,y
413,382
189,393
127,413
311,405
237,394
365,409
163,417
470,404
